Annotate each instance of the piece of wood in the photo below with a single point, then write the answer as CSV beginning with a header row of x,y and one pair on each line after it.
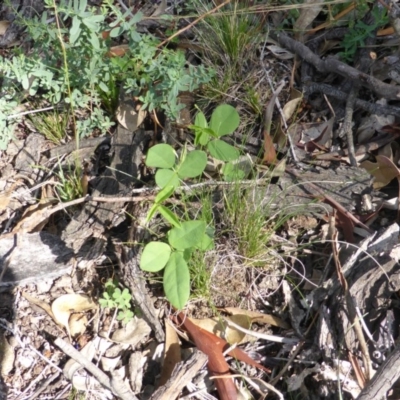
x,y
384,378
133,278
183,373
52,258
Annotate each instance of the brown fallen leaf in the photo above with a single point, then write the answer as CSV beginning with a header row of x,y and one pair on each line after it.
x,y
219,327
129,113
269,149
383,170
35,217
6,196
4,26
118,51
66,305
256,316
214,347
172,352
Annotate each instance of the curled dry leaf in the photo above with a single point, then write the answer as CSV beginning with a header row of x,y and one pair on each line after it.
x,y
68,304
4,26
160,9
258,317
129,113
172,352
77,324
218,327
307,15
133,333
383,170
290,107
280,53
214,347
6,196
35,217
118,51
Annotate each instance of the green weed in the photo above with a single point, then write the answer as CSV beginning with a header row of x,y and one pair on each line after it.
x,y
119,299
185,237
229,39
53,125
71,183
70,63
361,31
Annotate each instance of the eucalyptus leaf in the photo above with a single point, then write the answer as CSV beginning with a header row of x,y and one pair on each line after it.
x,y
177,281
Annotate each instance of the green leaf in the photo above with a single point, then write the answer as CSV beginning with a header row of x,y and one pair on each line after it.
x,y
232,172
136,18
206,243
93,22
94,41
104,87
161,156
187,253
193,165
151,212
75,30
202,135
155,256
223,151
164,194
25,82
166,177
177,281
201,120
224,120
82,5
190,234
169,216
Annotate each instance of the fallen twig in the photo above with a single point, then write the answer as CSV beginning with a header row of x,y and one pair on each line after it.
x,y
331,64
384,378
347,127
373,108
70,351
352,315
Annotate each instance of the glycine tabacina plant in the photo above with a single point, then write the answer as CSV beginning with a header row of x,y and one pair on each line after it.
x,y
173,253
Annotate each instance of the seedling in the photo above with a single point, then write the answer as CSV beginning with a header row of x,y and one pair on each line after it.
x,y
114,297
172,254
224,121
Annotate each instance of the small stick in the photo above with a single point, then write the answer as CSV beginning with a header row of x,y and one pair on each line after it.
x,y
347,128
70,351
